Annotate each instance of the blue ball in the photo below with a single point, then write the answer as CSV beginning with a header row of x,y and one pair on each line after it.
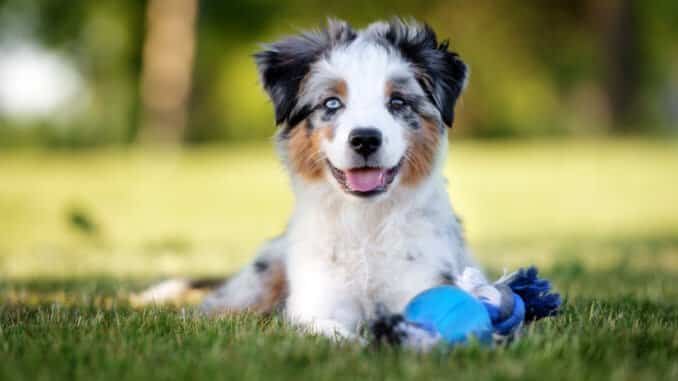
x,y
451,312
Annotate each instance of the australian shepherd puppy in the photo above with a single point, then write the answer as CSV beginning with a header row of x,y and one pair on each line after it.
x,y
363,117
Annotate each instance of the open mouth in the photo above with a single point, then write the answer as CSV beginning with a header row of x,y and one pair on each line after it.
x,y
365,181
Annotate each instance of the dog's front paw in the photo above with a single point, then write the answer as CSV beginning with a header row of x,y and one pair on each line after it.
x,y
387,329
328,328
393,329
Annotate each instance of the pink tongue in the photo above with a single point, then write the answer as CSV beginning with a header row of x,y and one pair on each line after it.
x,y
365,180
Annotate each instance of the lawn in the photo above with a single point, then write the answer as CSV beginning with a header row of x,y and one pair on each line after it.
x,y
80,231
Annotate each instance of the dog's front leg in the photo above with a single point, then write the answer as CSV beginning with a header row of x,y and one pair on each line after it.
x,y
332,329
335,319
318,306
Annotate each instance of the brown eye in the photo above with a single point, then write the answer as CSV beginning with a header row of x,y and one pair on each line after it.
x,y
396,103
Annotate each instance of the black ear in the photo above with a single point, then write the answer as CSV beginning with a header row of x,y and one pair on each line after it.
x,y
441,72
284,64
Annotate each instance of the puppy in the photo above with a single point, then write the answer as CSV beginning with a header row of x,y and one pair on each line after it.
x,y
363,117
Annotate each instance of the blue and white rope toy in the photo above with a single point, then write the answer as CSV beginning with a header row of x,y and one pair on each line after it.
x,y
472,309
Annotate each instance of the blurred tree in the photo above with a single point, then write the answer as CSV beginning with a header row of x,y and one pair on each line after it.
x,y
617,26
537,68
167,69
227,35
102,39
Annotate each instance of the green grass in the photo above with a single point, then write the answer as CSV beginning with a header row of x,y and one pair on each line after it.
x,y
80,231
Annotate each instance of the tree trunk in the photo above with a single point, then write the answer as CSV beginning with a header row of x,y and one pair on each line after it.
x,y
618,28
167,68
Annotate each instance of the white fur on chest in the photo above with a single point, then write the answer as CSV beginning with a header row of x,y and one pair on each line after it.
x,y
346,258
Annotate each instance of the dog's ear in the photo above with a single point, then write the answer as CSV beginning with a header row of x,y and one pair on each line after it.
x,y
440,72
283,66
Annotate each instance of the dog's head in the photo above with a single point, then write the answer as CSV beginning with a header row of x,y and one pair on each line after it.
x,y
365,110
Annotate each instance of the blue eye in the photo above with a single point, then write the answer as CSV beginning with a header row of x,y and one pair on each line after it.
x,y
396,103
332,104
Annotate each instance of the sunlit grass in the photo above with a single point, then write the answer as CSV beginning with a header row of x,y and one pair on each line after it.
x,y
81,231
205,210
619,324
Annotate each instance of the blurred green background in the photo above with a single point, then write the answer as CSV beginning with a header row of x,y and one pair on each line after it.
x,y
135,145
87,73
564,146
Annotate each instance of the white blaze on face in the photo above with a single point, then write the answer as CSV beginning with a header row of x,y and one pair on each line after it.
x,y
366,68
366,110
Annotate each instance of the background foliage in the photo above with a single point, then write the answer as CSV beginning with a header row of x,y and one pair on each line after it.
x,y
538,68
563,157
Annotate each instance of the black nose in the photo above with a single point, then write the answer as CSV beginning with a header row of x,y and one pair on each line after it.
x,y
365,141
